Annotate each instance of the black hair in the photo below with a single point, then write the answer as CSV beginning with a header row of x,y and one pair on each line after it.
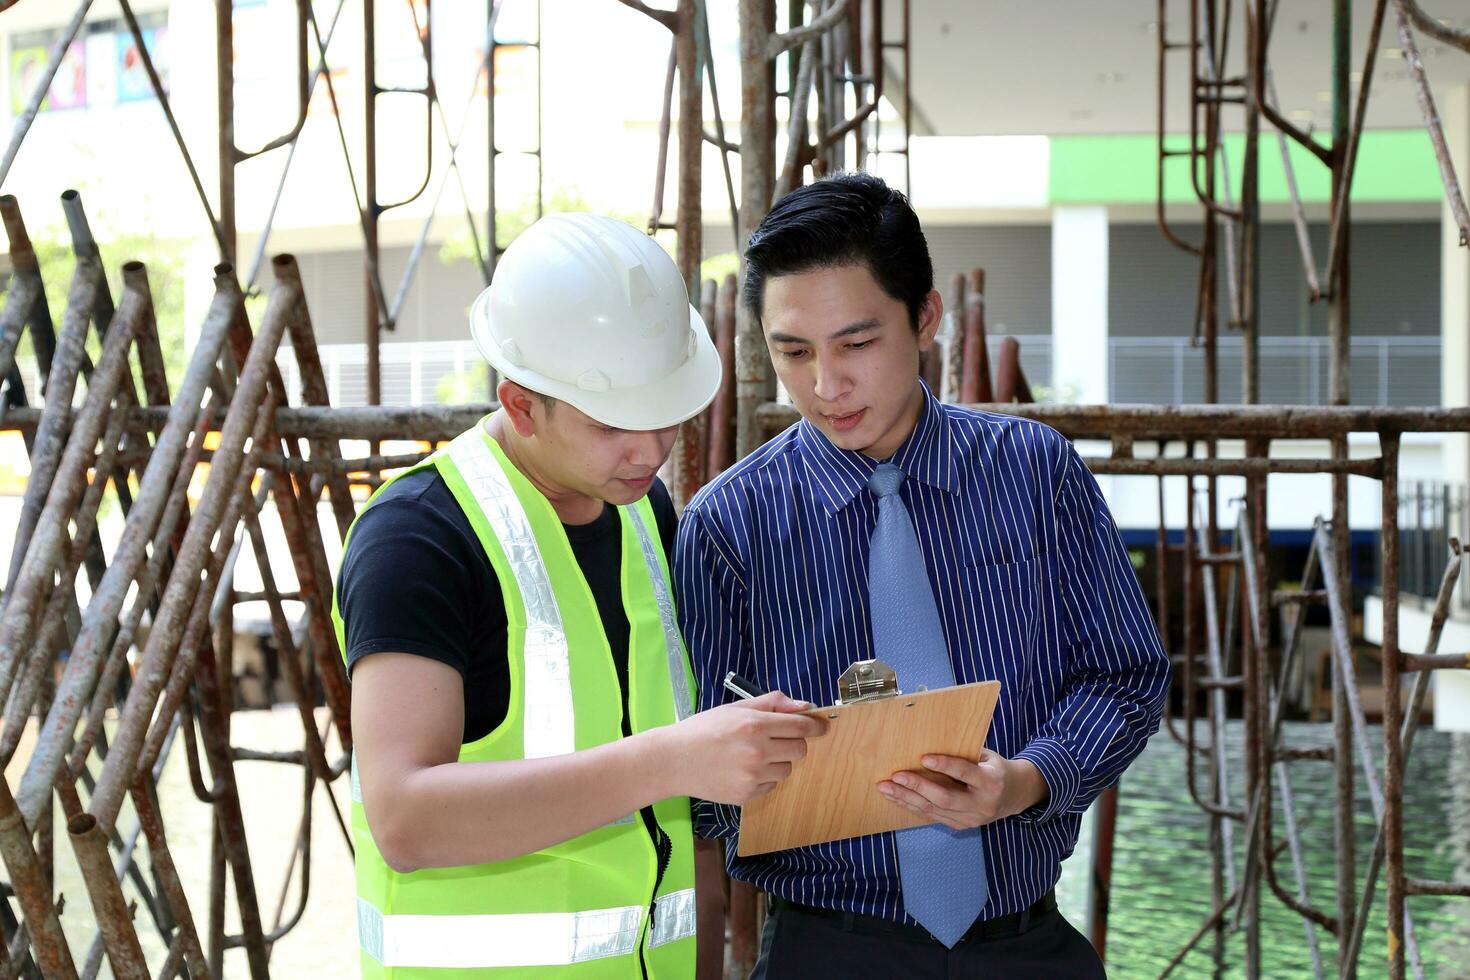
x,y
845,219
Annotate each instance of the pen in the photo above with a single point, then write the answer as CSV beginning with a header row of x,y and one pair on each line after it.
x,y
742,687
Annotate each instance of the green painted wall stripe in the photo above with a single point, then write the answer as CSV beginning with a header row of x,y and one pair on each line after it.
x,y
1393,165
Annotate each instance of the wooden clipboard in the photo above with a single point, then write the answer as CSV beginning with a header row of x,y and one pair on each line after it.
x,y
832,793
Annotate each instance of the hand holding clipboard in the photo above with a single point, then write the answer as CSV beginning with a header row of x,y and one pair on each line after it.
x,y
874,730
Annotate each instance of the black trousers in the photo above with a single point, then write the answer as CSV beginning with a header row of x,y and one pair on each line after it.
x,y
799,945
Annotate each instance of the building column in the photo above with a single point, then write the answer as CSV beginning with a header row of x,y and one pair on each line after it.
x,y
1454,291
1451,688
1079,304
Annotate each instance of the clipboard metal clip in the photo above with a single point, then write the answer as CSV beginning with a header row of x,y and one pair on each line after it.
x,y
867,680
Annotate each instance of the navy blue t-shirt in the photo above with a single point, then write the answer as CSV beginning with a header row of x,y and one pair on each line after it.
x,y
415,579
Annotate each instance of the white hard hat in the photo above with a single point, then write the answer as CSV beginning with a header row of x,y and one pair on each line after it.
x,y
591,311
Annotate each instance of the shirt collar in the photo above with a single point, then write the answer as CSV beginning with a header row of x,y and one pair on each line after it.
x,y
838,475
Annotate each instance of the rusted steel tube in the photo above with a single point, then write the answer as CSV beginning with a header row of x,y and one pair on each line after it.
x,y
20,299
302,850
33,891
35,313
54,620
168,875
1411,725
168,534
1230,467
1403,935
314,389
163,638
297,466
314,583
745,929
88,289
757,181
1141,422
1215,682
1099,895
975,375
1425,886
1010,380
182,672
53,429
722,411
1432,122
685,468
228,813
954,342
1161,51
155,491
114,920
32,573
1392,806
1151,422
1426,662
286,647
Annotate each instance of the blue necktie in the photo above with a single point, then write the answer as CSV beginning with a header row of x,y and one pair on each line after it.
x,y
942,871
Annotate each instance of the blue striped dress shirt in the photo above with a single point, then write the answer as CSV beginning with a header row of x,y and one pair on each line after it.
x,y
1034,589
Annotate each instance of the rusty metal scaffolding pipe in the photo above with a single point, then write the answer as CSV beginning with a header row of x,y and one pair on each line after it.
x,y
54,622
145,802
53,430
220,570
33,890
166,540
1400,926
439,423
1141,422
114,919
1010,380
156,489
954,340
20,299
722,411
287,651
1425,97
26,292
1406,738
214,712
32,576
975,372
314,389
163,638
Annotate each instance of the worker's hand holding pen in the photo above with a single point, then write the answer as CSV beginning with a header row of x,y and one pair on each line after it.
x,y
739,751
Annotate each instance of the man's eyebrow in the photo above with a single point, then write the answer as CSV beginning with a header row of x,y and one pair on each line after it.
x,y
776,337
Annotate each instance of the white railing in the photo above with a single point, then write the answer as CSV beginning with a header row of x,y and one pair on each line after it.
x,y
416,373
1141,370
1168,370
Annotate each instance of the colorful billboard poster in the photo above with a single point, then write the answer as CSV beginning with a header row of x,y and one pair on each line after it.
x,y
133,84
68,89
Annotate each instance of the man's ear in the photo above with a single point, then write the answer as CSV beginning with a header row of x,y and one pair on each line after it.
x,y
931,314
520,406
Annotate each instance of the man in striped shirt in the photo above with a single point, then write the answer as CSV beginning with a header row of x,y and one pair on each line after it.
x,y
1029,578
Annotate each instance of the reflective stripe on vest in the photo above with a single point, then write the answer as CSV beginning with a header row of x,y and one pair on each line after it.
x,y
683,704
518,939
550,722
673,917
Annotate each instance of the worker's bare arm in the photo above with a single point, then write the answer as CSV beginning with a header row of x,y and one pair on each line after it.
x,y
425,810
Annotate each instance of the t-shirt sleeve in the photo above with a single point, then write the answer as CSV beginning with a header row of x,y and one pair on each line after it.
x,y
405,585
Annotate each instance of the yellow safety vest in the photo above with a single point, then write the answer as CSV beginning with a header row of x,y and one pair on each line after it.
x,y
581,908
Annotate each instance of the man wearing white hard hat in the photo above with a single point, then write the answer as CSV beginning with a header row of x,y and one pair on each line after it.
x,y
525,747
